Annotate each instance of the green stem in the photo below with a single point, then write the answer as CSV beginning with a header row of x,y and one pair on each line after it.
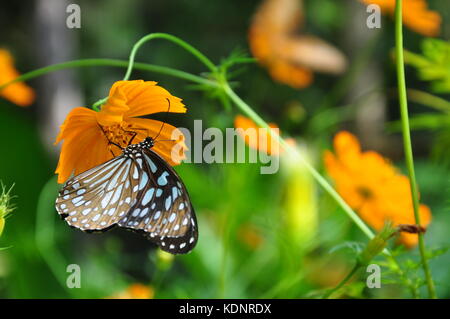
x,y
114,63
407,281
407,140
246,109
343,282
200,56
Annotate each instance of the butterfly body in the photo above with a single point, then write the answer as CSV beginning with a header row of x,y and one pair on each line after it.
x,y
137,190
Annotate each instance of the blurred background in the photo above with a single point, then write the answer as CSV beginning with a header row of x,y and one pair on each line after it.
x,y
261,236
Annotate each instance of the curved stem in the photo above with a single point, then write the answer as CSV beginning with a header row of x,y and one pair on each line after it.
x,y
245,108
407,140
200,56
114,63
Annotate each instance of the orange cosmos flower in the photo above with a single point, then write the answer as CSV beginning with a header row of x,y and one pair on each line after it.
x,y
250,235
135,291
252,136
258,138
416,15
90,137
290,58
18,93
372,186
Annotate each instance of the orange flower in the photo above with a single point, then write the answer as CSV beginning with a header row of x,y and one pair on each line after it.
x,y
416,15
371,185
90,137
18,93
252,136
291,59
135,291
250,235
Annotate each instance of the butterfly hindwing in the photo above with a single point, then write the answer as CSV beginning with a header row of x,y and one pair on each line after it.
x,y
163,209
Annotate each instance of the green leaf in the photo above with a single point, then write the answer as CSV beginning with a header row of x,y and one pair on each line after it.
x,y
434,64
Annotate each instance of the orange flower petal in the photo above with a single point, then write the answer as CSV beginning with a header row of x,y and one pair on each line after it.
x,y
292,75
372,186
113,110
290,58
18,93
347,147
253,136
84,146
145,98
171,151
135,291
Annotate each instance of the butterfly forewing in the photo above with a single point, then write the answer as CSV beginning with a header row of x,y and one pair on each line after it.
x,y
136,190
89,201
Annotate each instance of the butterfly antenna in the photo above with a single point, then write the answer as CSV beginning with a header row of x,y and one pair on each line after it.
x,y
164,122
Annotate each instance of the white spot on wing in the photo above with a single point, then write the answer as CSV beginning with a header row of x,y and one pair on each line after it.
x,y
148,196
162,180
106,199
143,181
144,212
168,202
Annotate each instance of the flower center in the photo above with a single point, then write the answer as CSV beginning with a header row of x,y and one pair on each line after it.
x,y
119,134
364,192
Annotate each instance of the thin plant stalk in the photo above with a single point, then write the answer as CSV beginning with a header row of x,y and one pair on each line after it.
x,y
114,63
407,140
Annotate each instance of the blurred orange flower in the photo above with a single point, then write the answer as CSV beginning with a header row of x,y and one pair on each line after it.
x,y
250,235
135,291
251,134
290,58
416,15
90,137
18,93
372,186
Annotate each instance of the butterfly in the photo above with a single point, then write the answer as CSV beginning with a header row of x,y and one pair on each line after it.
x,y
137,190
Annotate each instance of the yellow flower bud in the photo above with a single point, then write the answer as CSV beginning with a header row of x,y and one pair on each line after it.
x,y
5,206
299,201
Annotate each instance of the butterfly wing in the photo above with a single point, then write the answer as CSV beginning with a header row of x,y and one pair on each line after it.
x,y
141,193
98,198
163,209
